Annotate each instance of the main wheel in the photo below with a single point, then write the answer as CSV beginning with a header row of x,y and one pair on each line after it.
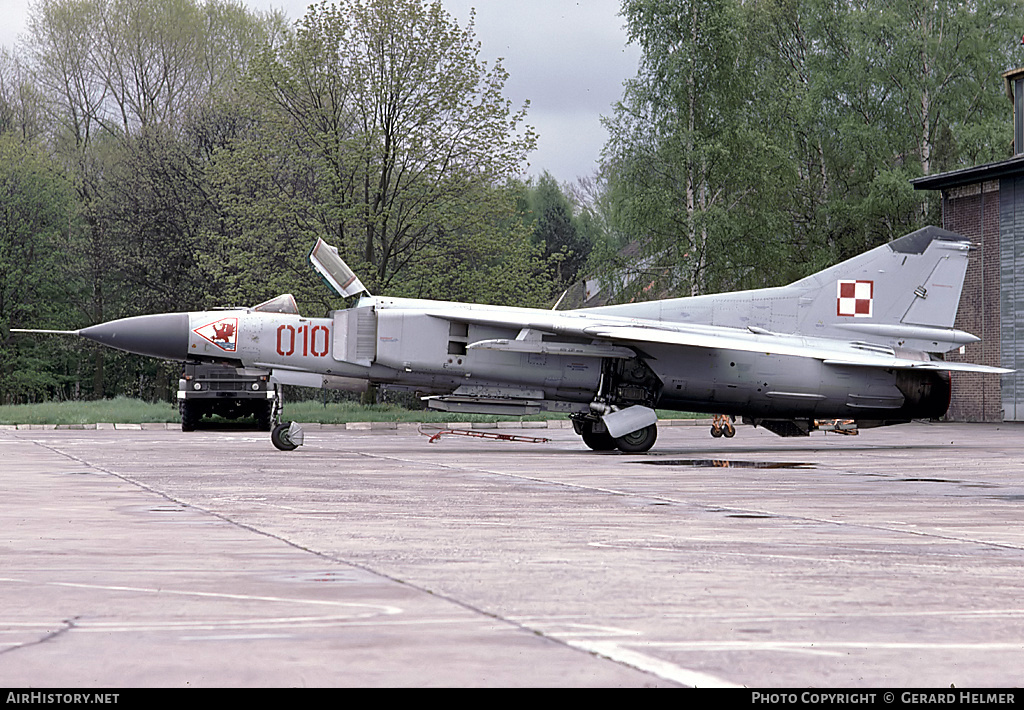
x,y
597,440
639,441
279,437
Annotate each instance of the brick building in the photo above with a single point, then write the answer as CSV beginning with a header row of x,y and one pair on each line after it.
x,y
986,204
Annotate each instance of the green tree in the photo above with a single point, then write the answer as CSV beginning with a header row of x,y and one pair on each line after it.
x,y
21,109
123,65
378,128
871,94
689,164
761,141
564,240
122,82
36,208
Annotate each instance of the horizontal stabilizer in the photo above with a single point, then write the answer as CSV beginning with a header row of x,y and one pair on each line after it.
x,y
939,338
935,365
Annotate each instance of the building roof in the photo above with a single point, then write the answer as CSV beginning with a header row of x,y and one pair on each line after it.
x,y
969,176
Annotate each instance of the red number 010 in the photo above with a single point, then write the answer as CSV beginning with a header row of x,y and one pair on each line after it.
x,y
308,338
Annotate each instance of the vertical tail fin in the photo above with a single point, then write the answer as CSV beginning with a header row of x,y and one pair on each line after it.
x,y
901,294
905,293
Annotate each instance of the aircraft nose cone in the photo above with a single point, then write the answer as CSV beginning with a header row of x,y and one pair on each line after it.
x,y
164,335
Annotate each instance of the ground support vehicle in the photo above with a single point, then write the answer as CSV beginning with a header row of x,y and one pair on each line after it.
x,y
207,389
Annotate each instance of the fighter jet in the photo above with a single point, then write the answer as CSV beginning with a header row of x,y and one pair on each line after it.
x,y
860,342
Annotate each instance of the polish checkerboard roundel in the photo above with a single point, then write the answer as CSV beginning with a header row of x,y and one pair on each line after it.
x,y
855,298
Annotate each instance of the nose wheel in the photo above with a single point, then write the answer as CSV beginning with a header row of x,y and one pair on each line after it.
x,y
286,436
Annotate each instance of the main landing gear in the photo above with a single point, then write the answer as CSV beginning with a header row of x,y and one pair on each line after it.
x,y
722,425
596,437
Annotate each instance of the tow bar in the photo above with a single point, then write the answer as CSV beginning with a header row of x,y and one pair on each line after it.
x,y
478,434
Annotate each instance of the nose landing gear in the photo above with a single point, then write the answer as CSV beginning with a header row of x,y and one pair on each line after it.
x,y
287,436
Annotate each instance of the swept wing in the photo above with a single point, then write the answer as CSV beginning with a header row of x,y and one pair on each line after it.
x,y
636,332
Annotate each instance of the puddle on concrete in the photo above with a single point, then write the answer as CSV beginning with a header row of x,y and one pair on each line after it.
x,y
723,463
327,577
927,480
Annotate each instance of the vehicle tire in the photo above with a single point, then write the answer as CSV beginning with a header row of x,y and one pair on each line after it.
x,y
716,431
189,416
597,440
639,441
264,416
279,437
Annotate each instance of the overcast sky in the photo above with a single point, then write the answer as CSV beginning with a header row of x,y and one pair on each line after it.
x,y
568,57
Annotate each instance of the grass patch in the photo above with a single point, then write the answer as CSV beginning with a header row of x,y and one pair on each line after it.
x,y
123,410
120,410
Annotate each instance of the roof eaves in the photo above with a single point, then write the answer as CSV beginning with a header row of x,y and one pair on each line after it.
x,y
969,176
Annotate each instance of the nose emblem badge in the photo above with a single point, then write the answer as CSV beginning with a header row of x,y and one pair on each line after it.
x,y
222,333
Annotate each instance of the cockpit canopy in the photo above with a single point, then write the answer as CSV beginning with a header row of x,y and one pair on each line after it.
x,y
333,269
285,303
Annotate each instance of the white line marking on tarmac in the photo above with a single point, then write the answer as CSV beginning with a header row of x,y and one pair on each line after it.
x,y
641,661
826,648
375,608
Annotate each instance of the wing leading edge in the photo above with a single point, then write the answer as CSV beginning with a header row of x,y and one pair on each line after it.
x,y
636,332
